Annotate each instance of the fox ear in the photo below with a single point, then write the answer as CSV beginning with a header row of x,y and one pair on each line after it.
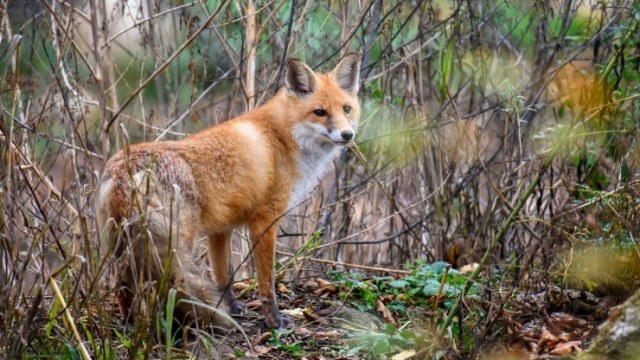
x,y
299,78
347,73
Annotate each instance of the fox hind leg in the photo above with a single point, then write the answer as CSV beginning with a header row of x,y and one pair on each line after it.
x,y
219,251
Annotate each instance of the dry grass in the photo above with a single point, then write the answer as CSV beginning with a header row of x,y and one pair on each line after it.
x,y
463,104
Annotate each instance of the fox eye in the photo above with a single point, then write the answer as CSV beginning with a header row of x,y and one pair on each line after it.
x,y
320,112
346,109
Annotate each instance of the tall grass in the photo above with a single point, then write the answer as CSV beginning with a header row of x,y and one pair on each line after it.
x,y
466,104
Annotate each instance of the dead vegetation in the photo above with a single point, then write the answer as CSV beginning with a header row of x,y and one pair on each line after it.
x,y
494,133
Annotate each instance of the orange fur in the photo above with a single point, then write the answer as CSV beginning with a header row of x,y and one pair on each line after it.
x,y
247,171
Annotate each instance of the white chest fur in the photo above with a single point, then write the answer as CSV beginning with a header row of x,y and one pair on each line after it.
x,y
315,157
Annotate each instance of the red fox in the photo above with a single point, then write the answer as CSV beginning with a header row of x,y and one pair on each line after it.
x,y
247,171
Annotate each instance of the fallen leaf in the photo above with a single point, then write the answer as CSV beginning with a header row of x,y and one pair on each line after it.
x,y
309,316
468,269
329,289
547,340
240,286
387,316
564,337
407,354
310,285
386,298
262,338
567,348
300,299
548,336
327,334
261,350
282,289
253,304
302,332
325,287
296,313
567,321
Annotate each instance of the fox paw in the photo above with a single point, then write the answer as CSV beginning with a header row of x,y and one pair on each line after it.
x,y
280,321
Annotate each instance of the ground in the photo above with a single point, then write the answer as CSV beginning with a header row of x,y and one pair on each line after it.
x,y
330,320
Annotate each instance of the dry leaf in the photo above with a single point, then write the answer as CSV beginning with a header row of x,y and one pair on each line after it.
x,y
387,316
325,287
262,338
329,289
468,269
407,354
567,321
548,336
310,285
546,340
327,334
253,304
567,348
309,316
261,350
296,313
282,289
300,299
302,332
240,286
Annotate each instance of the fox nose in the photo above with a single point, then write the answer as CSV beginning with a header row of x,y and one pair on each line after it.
x,y
347,135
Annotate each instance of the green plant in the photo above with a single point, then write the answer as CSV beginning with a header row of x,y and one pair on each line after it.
x,y
281,341
427,284
383,344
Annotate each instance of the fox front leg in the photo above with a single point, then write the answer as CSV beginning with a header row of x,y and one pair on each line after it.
x,y
263,236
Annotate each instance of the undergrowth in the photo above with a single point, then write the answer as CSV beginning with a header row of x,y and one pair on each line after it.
x,y
466,105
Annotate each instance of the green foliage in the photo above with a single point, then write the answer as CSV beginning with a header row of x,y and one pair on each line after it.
x,y
520,20
382,345
479,58
168,321
426,282
446,68
281,341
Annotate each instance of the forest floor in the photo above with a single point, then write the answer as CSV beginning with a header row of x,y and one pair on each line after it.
x,y
333,320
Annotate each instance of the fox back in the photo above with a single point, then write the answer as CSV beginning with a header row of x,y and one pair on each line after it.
x,y
248,171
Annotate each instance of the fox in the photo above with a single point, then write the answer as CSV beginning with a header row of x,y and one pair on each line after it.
x,y
157,199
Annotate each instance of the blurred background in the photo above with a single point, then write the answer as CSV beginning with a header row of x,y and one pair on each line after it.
x,y
471,109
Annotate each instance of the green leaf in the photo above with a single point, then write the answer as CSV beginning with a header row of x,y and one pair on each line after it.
x,y
431,288
414,291
400,283
397,306
439,266
123,339
70,352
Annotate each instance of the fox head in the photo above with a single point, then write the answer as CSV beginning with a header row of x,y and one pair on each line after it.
x,y
325,106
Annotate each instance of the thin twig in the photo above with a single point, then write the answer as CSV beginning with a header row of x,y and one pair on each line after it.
x,y
347,265
164,65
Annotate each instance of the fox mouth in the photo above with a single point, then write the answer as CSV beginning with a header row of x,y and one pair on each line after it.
x,y
337,142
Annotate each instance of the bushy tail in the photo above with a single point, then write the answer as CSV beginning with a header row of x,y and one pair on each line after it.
x,y
151,235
